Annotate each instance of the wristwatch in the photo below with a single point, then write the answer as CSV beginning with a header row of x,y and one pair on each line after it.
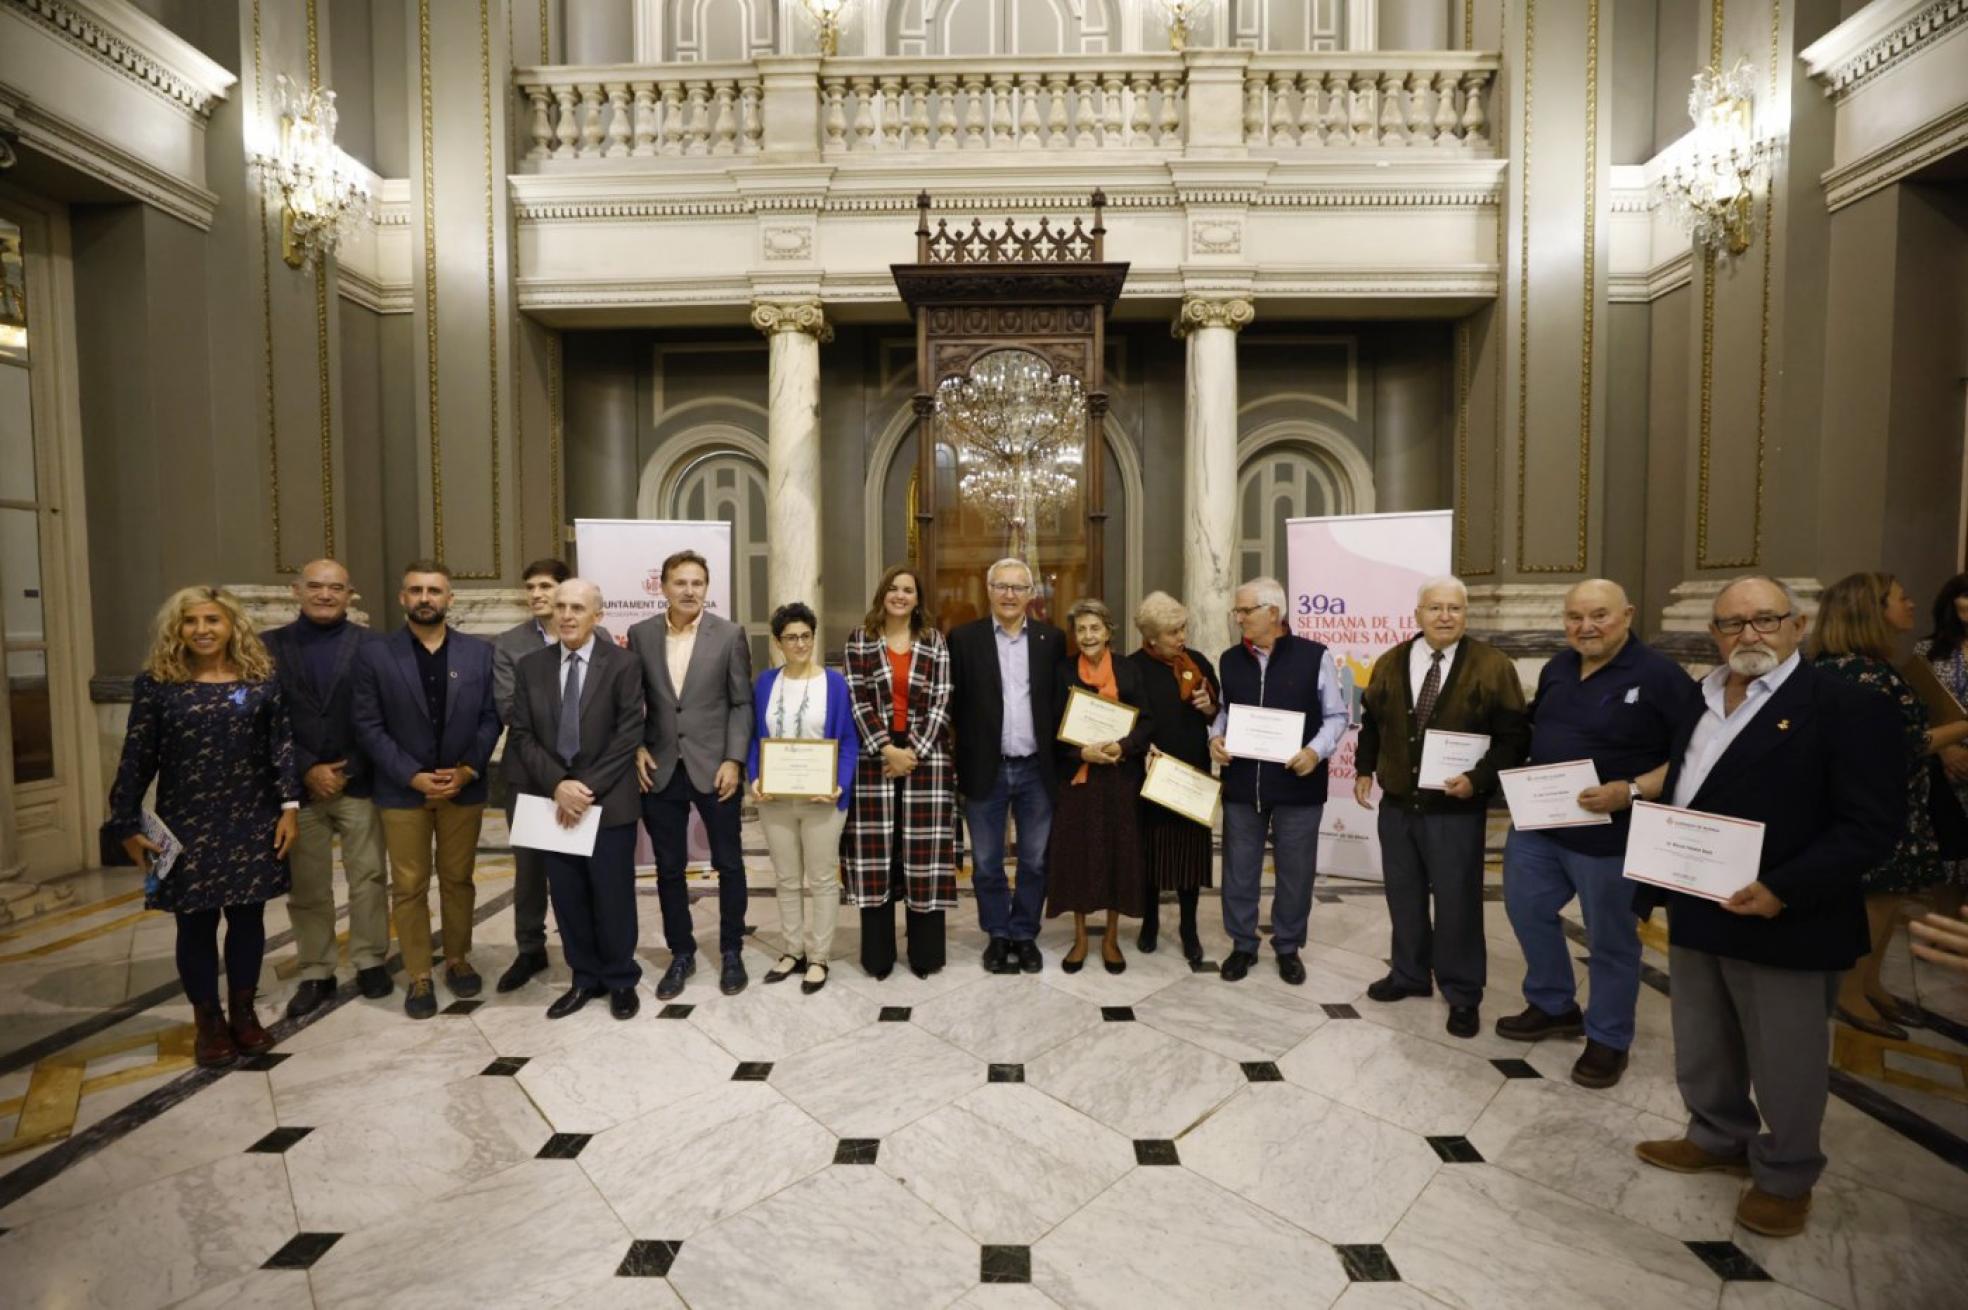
x,y
1633,792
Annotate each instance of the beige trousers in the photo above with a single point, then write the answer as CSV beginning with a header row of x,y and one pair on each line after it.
x,y
311,903
409,835
803,838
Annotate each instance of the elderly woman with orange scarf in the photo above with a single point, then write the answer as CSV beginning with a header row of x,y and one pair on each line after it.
x,y
1094,855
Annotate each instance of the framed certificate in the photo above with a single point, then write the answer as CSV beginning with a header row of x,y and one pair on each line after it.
x,y
1188,791
1546,795
1711,855
1092,719
799,768
1445,754
1260,734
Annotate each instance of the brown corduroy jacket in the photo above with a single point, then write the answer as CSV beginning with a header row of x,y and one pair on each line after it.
x,y
1482,694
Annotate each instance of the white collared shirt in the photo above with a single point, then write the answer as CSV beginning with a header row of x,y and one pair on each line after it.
x,y
678,643
568,658
1418,662
1718,728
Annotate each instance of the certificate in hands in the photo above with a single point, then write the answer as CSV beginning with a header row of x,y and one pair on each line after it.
x,y
1260,734
799,768
1711,855
1445,754
1176,786
536,825
1091,720
1546,795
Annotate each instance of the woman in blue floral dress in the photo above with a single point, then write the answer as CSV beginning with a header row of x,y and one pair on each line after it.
x,y
209,725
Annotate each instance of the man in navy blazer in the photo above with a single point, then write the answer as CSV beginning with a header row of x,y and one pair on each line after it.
x,y
426,718
1822,765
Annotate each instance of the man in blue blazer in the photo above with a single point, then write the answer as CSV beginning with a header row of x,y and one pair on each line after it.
x,y
1822,765
426,718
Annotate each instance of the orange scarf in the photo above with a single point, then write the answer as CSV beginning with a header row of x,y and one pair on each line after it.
x,y
1188,673
1100,677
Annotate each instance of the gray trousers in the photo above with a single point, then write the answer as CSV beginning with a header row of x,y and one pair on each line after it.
x,y
1740,1027
529,900
1294,834
311,901
1438,855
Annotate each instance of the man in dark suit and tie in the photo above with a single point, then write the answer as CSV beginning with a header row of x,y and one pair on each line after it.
x,y
314,658
1822,765
697,692
425,717
577,720
1002,672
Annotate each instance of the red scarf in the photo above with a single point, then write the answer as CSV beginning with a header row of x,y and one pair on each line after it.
x,y
1100,677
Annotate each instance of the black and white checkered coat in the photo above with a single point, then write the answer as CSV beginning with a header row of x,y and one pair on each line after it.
x,y
927,797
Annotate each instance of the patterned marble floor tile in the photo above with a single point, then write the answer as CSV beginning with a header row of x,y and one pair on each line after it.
x,y
517,1023
697,1160
625,1294
849,1236
1146,974
1648,1083
1140,1082
1006,1020
1339,1174
1767,1296
1004,1296
902,987
1385,1296
262,1289
1482,1238
1238,1023
1858,1146
771,1023
873,1081
1427,1018
1006,1162
624,1071
1865,1249
1165,1237
360,1077
1422,1086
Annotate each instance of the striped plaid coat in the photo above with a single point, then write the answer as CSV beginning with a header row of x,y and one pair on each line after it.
x,y
927,798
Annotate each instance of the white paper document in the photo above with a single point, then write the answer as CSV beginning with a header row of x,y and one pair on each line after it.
x,y
1691,851
1255,733
536,825
1445,754
1546,795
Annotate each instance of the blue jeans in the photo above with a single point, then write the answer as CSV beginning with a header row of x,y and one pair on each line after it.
x,y
1540,877
1001,910
1294,834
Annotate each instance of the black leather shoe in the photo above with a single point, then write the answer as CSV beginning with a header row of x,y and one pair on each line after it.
x,y
811,984
1534,1024
1192,946
1292,969
420,1002
1391,988
732,978
1463,1021
623,1003
523,967
1236,965
786,967
1599,1066
571,1000
461,980
310,996
996,954
1068,964
1029,959
681,967
1114,966
1876,1027
374,982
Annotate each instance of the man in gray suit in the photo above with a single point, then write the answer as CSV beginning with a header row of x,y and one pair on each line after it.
x,y
697,686
577,720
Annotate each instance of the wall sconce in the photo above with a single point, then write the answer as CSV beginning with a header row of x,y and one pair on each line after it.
x,y
1712,189
1182,15
13,296
320,194
826,16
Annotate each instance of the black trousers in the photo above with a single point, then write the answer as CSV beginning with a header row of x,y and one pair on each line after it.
x,y
666,814
926,941
594,907
198,950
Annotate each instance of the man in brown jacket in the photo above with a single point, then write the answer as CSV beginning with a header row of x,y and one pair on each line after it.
x,y
1431,838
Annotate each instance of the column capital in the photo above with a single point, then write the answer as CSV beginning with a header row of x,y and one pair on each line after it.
x,y
1233,312
808,316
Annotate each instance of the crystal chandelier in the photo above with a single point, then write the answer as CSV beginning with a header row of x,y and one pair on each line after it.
x,y
1711,189
321,194
1018,430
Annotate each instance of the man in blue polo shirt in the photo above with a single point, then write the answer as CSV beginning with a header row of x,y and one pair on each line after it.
x,y
1614,701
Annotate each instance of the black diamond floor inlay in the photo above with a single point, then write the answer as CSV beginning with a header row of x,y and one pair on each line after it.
x,y
301,1251
1326,898
261,1063
1117,1013
277,1141
1262,1071
1205,966
894,1014
1516,1069
675,1011
1005,1264
1340,1012
1007,1073
1368,1263
752,1071
505,1066
564,1146
857,1150
1729,1262
1154,1151
461,1007
1456,1150
648,1259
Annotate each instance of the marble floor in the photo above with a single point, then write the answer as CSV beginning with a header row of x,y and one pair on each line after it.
x,y
1157,1138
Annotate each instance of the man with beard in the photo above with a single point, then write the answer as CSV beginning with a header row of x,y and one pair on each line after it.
x,y
426,718
1821,764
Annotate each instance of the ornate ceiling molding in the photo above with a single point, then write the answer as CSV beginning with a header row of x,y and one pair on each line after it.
x,y
83,150
1878,38
125,39
1893,161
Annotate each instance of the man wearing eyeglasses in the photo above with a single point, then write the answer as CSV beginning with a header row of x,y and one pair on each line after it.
x,y
1001,674
1819,763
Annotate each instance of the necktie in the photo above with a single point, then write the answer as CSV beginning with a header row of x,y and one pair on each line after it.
x,y
567,742
1431,688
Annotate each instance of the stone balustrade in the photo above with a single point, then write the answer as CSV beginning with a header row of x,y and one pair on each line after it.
x,y
642,111
1392,100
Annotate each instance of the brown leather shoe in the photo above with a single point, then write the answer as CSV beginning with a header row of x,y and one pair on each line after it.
x,y
213,1046
1683,1157
1599,1066
1773,1216
247,1034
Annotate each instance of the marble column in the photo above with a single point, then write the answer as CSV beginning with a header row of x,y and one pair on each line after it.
x,y
795,331
1209,450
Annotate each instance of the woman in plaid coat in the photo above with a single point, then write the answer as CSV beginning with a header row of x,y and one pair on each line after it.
x,y
901,836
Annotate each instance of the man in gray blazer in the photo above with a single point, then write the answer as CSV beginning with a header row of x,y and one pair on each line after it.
x,y
577,720
697,687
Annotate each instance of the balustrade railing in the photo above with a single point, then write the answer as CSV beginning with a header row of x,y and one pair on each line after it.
x,y
1379,101
642,111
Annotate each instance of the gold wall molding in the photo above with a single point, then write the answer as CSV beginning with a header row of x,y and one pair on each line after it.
x,y
428,165
556,511
546,51
491,284
280,564
324,383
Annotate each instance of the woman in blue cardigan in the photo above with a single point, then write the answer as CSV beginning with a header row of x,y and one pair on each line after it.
x,y
804,699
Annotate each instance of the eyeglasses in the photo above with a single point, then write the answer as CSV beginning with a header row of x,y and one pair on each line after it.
x,y
1765,623
795,638
1241,612
1011,588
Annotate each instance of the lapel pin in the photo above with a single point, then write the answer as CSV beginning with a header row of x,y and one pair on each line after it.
x,y
1783,725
